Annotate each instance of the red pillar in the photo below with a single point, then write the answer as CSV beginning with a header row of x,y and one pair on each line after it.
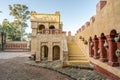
x,y
112,47
103,51
91,51
96,42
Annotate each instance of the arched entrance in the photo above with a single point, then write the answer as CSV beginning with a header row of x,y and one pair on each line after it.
x,y
56,53
44,51
51,27
40,27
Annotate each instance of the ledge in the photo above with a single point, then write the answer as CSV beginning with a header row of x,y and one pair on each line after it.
x,y
104,65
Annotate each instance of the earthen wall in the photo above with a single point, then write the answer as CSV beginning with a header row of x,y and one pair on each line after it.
x,y
103,22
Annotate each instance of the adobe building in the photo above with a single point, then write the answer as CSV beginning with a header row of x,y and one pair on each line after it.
x,y
48,37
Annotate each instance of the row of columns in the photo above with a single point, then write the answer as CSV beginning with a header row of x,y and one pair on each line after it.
x,y
104,48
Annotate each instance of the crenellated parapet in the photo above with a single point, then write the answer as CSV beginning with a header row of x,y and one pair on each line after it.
x,y
100,5
102,33
45,17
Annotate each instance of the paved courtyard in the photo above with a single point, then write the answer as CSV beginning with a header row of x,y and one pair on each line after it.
x,y
13,67
17,66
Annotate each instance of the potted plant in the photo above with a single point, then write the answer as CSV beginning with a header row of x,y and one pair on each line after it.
x,y
106,44
117,38
117,52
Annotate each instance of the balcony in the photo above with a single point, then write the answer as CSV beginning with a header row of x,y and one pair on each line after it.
x,y
50,31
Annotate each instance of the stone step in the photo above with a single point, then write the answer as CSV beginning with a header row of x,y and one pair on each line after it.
x,y
75,53
78,58
74,50
75,57
77,62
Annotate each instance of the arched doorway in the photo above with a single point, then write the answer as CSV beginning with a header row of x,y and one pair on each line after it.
x,y
40,27
51,27
44,51
56,53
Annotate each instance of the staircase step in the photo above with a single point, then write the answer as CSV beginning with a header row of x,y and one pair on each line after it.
x,y
77,62
75,57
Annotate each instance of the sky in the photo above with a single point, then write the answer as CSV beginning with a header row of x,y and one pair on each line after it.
x,y
74,13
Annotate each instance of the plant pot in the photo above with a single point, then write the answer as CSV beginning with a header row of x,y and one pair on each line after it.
x,y
117,52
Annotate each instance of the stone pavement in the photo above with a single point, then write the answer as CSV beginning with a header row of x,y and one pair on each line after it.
x,y
81,72
13,67
9,55
17,62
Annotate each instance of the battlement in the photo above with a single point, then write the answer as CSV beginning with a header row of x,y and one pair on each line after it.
x,y
101,51
100,5
45,17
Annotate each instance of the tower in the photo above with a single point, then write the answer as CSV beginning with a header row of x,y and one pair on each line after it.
x,y
48,37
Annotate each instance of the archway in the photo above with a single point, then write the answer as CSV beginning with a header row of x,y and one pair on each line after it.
x,y
44,51
51,27
56,53
40,27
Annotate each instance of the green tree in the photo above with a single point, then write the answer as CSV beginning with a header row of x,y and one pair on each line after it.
x,y
20,13
5,26
10,30
15,31
4,29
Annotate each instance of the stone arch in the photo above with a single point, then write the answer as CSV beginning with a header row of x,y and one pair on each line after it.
x,y
52,27
44,51
41,26
56,52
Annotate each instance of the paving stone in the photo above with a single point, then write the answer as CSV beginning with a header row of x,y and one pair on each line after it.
x,y
81,72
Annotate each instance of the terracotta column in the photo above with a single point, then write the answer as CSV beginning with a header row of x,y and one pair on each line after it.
x,y
103,51
96,42
91,51
112,58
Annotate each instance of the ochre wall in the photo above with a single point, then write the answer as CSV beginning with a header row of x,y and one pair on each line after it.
x,y
105,20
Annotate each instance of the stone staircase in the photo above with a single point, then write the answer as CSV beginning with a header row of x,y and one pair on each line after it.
x,y
75,56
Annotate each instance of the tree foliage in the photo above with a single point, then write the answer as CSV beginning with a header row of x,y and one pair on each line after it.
x,y
21,15
20,12
10,31
5,26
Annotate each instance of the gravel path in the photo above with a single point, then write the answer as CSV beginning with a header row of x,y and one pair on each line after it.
x,y
16,69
